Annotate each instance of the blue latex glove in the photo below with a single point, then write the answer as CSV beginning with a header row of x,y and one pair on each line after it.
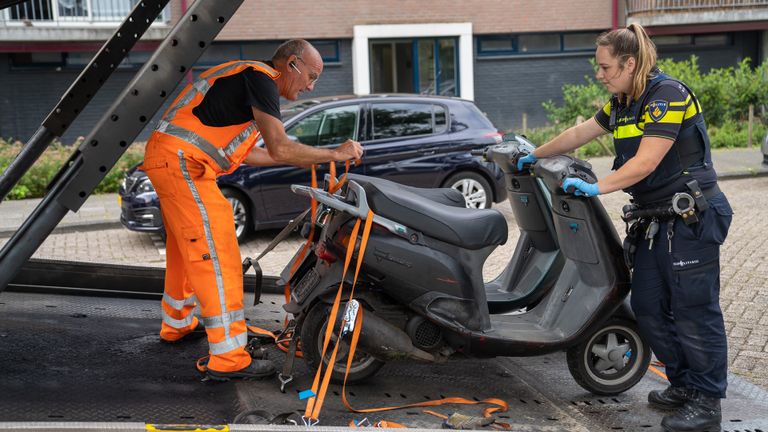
x,y
580,187
528,159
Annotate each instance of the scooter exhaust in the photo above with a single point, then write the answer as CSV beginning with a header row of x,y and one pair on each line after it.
x,y
385,341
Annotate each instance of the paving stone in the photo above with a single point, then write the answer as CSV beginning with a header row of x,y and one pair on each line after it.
x,y
744,276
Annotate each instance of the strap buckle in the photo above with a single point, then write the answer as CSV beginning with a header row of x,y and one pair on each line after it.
x,y
284,380
310,422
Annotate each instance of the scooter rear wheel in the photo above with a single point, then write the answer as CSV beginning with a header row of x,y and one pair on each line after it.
x,y
312,334
612,360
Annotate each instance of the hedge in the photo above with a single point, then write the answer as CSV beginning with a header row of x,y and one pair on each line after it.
x,y
725,95
33,184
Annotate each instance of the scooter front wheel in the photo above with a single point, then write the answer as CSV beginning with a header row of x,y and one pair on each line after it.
x,y
612,360
312,334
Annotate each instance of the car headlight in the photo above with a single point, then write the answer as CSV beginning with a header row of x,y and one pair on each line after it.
x,y
123,184
145,186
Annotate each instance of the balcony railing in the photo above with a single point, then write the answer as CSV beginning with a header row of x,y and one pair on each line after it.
x,y
73,11
667,6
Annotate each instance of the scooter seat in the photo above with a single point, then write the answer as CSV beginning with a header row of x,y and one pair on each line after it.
x,y
447,196
463,227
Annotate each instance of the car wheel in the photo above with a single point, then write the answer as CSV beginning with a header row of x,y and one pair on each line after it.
x,y
241,212
475,188
612,360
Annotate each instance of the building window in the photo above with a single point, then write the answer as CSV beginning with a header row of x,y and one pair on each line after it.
x,y
535,43
672,40
328,49
37,60
712,39
700,40
418,65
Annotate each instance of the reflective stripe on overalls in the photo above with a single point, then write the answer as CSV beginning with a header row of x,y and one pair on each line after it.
x,y
222,155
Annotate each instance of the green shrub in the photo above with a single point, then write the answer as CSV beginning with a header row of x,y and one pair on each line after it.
x,y
33,184
724,94
734,134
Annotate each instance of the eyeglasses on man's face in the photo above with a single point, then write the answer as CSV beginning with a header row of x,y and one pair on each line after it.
x,y
313,77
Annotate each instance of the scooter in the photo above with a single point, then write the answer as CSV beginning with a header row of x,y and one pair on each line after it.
x,y
421,285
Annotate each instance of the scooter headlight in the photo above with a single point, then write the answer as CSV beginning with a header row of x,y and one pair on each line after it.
x,y
145,186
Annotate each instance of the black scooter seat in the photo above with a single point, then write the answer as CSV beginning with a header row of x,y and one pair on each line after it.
x,y
463,227
447,196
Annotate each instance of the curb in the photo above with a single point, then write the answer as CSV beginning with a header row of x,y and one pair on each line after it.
x,y
103,224
70,228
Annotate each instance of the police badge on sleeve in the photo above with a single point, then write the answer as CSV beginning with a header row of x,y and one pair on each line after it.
x,y
657,109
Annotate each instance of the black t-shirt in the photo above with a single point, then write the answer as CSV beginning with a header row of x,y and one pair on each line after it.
x,y
230,99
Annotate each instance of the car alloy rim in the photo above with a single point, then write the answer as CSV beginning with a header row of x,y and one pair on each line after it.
x,y
473,192
239,214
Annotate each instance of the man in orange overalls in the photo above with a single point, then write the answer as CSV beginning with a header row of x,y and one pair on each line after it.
x,y
209,130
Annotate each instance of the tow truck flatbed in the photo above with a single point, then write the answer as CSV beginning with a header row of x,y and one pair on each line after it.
x,y
94,361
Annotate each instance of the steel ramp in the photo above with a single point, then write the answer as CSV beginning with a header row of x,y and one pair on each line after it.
x,y
86,361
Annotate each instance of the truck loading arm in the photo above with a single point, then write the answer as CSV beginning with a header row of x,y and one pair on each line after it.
x,y
119,125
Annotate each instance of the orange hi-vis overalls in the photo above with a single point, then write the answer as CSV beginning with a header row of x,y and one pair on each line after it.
x,y
203,265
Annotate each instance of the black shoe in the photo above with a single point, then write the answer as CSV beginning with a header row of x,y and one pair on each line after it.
x,y
669,398
196,333
256,370
701,413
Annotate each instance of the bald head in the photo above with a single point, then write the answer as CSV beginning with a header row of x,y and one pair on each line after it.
x,y
297,47
300,65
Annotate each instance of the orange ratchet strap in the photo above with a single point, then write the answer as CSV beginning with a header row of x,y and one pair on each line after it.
x,y
315,403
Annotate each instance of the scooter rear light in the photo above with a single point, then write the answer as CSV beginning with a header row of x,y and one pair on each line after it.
x,y
497,136
322,252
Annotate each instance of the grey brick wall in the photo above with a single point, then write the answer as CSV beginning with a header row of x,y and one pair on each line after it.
x,y
27,96
505,88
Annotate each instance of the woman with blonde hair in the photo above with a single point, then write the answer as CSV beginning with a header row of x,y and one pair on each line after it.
x,y
662,152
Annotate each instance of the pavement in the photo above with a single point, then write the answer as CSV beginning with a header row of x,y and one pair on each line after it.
x,y
94,234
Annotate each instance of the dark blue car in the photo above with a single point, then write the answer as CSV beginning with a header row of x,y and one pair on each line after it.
x,y
422,141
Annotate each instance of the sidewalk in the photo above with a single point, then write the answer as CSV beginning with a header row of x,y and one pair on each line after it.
x,y
103,211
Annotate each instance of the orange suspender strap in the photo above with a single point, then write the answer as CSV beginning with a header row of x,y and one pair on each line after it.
x,y
315,404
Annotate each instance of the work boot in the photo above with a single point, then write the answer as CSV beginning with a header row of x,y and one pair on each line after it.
x,y
669,398
256,370
701,413
195,334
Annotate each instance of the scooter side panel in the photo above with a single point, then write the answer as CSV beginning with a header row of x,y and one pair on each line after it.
x,y
405,270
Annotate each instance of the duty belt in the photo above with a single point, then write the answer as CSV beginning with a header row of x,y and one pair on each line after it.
x,y
684,204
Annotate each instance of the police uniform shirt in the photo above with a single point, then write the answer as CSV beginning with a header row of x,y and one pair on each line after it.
x,y
668,107
230,99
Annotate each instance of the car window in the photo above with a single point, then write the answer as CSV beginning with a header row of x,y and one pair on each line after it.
x,y
392,120
339,124
305,130
331,126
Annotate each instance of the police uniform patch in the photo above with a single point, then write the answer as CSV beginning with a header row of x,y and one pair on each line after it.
x,y
657,109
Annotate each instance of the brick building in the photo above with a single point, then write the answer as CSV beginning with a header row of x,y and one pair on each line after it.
x,y
509,56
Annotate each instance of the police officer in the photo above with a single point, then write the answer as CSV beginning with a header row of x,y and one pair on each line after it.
x,y
662,149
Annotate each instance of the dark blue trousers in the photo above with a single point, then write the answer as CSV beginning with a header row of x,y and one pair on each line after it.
x,y
676,298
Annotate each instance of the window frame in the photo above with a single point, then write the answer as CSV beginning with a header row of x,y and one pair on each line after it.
x,y
514,38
